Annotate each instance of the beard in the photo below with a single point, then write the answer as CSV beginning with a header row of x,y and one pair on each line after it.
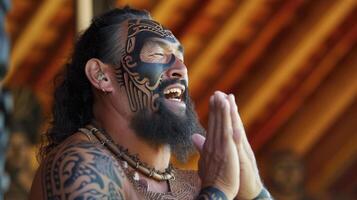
x,y
164,127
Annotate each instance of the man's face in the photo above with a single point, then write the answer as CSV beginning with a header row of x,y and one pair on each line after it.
x,y
150,56
155,80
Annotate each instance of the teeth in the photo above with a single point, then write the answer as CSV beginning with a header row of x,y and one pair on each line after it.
x,y
174,90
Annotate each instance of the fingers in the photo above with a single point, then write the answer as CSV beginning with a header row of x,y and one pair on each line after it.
x,y
211,121
226,121
240,136
219,162
198,140
236,124
238,132
218,118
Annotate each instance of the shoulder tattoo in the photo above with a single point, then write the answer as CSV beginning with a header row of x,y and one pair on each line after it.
x,y
82,171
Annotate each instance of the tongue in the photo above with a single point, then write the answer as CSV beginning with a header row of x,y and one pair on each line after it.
x,y
171,95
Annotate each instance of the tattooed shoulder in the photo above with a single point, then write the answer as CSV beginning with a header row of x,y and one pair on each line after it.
x,y
82,170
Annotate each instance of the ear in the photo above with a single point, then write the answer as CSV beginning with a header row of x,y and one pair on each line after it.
x,y
94,70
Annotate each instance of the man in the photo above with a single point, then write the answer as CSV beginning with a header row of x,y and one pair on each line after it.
x,y
121,111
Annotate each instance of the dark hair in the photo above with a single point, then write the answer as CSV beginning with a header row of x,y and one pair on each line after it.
x,y
73,97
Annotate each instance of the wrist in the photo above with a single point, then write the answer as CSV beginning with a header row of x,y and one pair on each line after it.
x,y
211,192
249,192
263,195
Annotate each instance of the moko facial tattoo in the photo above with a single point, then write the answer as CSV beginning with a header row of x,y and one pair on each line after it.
x,y
140,78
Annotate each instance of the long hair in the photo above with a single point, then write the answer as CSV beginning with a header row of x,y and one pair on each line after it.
x,y
73,97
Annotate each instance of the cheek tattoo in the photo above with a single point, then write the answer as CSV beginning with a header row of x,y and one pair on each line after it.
x,y
139,78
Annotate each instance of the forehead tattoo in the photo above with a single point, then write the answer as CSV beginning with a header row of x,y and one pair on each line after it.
x,y
140,78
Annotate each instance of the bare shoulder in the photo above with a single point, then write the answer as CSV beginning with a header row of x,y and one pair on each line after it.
x,y
80,169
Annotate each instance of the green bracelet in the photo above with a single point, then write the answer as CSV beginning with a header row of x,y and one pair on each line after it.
x,y
264,195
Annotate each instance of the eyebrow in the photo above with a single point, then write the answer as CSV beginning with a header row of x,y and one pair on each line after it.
x,y
162,43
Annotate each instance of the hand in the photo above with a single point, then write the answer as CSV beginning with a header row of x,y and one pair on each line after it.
x,y
219,162
250,182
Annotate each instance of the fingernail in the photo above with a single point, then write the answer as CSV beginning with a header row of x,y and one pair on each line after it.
x,y
231,96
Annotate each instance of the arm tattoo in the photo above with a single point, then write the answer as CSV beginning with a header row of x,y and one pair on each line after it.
x,y
82,171
211,193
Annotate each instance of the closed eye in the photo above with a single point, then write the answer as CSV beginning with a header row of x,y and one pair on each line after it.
x,y
157,54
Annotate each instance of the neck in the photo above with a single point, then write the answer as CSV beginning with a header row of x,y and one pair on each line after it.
x,y
118,127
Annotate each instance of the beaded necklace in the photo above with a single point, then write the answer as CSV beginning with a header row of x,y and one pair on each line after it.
x,y
124,154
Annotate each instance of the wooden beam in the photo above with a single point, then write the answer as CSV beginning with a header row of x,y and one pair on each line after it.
x,y
204,25
54,65
291,64
137,4
18,13
256,48
347,183
34,61
31,34
247,58
206,64
336,138
307,87
321,111
84,14
282,46
45,81
170,12
336,165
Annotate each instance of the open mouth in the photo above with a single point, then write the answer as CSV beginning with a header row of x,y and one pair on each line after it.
x,y
174,92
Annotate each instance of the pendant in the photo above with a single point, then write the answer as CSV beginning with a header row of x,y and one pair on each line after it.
x,y
136,176
125,164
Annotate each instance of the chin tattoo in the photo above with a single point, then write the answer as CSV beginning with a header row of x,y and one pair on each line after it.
x,y
140,78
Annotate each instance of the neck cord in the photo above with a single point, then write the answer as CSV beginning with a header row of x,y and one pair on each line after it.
x,y
124,154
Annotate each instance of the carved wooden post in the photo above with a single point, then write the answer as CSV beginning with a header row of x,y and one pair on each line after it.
x,y
5,98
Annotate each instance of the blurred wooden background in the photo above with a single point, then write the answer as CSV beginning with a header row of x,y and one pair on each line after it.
x,y
292,65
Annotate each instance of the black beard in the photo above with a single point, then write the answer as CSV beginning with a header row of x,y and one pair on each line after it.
x,y
164,127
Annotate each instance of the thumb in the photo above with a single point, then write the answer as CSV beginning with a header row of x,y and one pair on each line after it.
x,y
198,140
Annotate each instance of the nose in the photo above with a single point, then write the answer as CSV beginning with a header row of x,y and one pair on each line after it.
x,y
177,71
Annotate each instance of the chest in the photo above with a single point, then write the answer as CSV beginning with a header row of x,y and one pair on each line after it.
x,y
185,186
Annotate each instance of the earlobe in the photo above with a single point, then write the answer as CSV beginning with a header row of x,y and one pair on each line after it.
x,y
98,75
